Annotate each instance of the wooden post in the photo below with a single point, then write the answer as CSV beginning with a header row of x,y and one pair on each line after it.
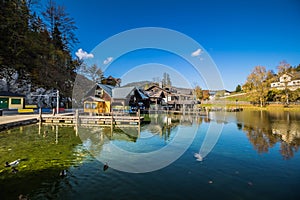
x,y
139,130
56,134
111,123
76,121
39,127
139,117
40,115
76,116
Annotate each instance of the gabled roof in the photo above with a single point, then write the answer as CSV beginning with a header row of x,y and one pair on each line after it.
x,y
185,91
122,92
156,86
91,98
107,88
10,94
143,95
158,94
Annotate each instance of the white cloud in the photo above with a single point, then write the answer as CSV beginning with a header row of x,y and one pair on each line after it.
x,y
196,53
107,60
83,54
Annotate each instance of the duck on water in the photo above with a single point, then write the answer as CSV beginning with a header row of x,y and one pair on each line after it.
x,y
12,164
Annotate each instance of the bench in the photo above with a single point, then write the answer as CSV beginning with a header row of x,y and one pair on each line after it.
x,y
31,106
26,110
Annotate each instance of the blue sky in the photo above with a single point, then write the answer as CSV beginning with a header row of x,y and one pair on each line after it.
x,y
237,34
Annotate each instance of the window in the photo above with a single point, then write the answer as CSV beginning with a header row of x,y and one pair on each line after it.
x,y
15,101
87,105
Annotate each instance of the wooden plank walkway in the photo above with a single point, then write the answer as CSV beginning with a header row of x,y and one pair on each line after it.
x,y
10,121
101,120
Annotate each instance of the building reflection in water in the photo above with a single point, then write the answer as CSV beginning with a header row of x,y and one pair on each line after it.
x,y
265,129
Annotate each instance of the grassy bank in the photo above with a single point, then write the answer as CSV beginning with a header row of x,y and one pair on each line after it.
x,y
252,107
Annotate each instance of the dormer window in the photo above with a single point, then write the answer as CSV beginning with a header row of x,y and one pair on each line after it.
x,y
99,92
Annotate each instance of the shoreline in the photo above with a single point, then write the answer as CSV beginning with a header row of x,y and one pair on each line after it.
x,y
279,107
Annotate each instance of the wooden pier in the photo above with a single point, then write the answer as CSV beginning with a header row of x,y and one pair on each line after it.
x,y
7,122
100,120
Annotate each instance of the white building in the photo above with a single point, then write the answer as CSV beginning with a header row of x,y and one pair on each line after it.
x,y
291,81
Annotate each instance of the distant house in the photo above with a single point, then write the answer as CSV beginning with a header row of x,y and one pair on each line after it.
x,y
182,101
175,98
227,93
290,81
9,100
157,95
111,81
130,97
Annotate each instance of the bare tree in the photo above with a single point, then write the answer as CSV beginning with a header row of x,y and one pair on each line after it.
x,y
283,67
93,72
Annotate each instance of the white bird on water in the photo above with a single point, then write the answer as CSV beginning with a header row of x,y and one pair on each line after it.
x,y
198,156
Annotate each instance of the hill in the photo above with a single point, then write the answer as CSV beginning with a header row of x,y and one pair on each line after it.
x,y
139,84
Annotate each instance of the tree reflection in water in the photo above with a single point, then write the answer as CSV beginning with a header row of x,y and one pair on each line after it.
x,y
264,129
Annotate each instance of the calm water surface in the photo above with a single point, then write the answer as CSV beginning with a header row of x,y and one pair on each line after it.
x,y
256,157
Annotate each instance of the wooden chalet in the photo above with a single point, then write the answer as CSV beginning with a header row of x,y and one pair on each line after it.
x,y
173,98
157,95
106,98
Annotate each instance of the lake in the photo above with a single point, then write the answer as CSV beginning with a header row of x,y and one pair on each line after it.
x,y
243,155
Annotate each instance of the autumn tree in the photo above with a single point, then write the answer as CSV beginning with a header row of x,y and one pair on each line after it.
x,y
258,84
205,94
294,95
198,92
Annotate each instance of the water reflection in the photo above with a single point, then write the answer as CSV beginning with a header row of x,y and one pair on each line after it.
x,y
46,150
265,129
164,124
43,150
161,136
94,137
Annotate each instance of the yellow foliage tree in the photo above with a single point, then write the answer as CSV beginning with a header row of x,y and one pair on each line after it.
x,y
258,84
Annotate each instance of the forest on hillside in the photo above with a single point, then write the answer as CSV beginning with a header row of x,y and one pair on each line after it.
x,y
36,42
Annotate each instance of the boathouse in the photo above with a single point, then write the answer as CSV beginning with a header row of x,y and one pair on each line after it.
x,y
9,100
96,105
114,98
129,97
